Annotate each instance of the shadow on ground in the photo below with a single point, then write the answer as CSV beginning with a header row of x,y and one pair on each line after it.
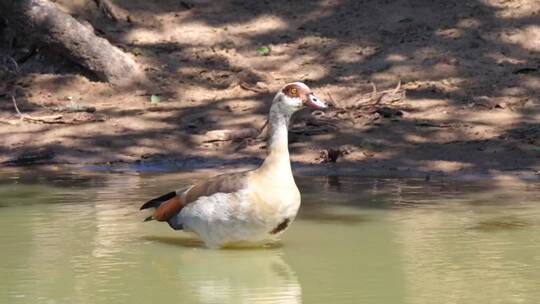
x,y
470,68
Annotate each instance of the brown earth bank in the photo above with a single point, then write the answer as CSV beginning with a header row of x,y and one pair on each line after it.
x,y
415,87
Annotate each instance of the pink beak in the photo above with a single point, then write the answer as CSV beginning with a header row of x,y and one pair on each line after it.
x,y
315,103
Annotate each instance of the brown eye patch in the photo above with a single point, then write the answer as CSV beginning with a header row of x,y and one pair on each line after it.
x,y
295,91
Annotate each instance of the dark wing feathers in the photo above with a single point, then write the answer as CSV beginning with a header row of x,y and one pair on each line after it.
x,y
154,203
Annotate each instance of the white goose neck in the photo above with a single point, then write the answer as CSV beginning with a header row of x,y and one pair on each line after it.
x,y
277,145
278,129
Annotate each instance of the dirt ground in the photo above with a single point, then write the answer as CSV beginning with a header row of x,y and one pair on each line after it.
x,y
468,100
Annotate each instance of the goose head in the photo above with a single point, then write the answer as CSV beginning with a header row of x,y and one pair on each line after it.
x,y
295,96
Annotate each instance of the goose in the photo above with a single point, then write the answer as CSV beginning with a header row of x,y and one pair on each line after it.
x,y
251,207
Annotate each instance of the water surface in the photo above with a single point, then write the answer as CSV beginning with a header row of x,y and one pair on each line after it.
x,y
78,237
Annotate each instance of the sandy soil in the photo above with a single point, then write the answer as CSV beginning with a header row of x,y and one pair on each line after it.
x,y
468,102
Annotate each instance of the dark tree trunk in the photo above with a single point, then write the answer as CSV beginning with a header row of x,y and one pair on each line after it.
x,y
42,21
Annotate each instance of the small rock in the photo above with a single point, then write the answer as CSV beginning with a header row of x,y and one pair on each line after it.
x,y
501,105
331,155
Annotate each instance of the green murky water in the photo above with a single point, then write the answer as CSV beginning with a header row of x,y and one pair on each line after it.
x,y
79,238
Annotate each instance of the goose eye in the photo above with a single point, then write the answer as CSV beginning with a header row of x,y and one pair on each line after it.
x,y
293,91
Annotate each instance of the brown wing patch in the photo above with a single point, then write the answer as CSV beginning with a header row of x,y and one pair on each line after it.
x,y
295,91
226,183
168,208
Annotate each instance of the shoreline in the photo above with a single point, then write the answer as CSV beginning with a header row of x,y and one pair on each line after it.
x,y
196,166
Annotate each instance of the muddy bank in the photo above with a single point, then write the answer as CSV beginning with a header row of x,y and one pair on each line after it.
x,y
467,104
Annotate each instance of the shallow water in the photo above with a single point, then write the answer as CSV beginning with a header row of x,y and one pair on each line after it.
x,y
79,238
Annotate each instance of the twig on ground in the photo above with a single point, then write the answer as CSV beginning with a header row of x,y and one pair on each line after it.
x,y
386,96
261,129
246,140
432,124
398,87
348,115
374,92
15,106
52,119
253,87
331,99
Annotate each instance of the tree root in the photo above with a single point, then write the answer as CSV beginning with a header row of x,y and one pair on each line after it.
x,y
112,11
44,22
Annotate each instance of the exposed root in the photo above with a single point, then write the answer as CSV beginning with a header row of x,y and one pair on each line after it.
x,y
50,26
112,11
13,62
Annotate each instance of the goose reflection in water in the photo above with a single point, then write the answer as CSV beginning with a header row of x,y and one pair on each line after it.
x,y
235,275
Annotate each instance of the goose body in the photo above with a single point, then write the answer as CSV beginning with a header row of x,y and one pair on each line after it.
x,y
247,207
